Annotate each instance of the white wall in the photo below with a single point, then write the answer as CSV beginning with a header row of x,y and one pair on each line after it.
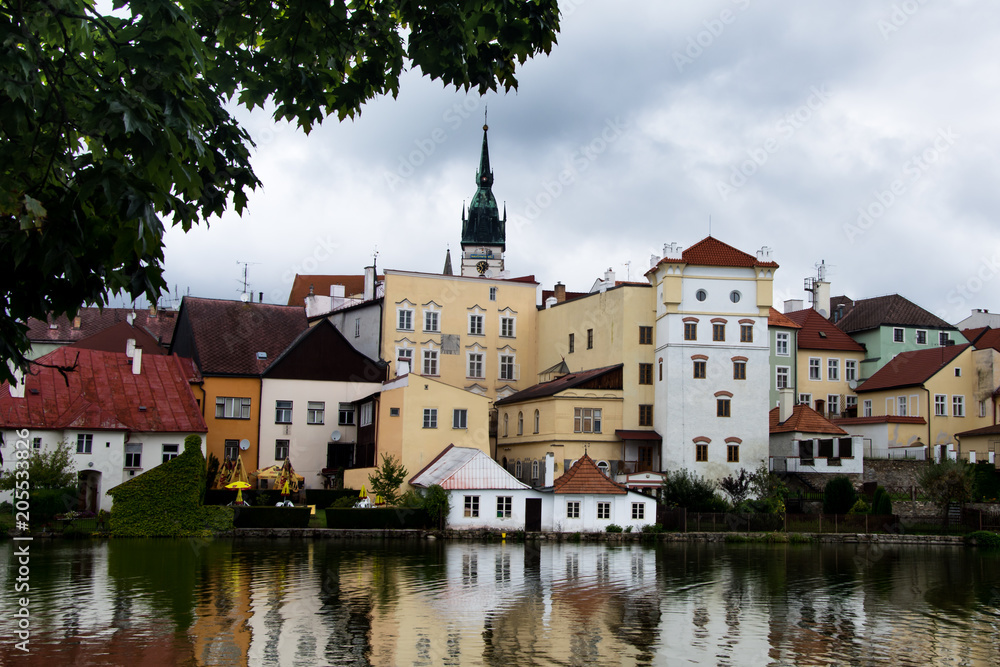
x,y
621,512
488,509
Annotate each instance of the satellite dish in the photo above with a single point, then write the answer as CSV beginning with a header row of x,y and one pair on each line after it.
x,y
244,444
489,273
335,436
244,297
853,384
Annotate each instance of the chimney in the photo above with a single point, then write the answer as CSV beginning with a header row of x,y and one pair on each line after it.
x,y
137,361
152,310
76,322
672,251
786,404
560,290
17,385
609,276
551,301
792,305
260,297
369,283
310,289
550,470
130,348
336,296
764,254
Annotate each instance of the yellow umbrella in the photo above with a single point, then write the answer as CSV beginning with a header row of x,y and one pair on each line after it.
x,y
285,490
363,494
239,486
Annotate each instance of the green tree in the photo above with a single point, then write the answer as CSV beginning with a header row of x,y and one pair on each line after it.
x,y
437,504
52,469
113,126
737,487
948,482
692,492
387,479
839,495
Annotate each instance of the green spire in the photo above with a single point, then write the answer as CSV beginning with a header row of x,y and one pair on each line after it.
x,y
483,225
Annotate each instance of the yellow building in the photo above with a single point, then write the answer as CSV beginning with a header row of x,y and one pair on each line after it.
x,y
416,418
925,397
828,362
476,333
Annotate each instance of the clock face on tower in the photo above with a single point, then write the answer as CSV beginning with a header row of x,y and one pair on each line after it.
x,y
481,267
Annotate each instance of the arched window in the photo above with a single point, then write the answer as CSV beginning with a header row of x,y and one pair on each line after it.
x,y
520,424
517,469
604,467
661,369
505,424
536,421
534,465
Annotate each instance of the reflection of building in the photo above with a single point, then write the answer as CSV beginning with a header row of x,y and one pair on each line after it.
x,y
118,415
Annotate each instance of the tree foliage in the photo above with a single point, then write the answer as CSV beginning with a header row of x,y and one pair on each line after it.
x,y
737,487
437,504
52,469
387,479
113,126
948,482
692,492
839,495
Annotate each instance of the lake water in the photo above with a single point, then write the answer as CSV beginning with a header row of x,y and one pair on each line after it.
x,y
243,602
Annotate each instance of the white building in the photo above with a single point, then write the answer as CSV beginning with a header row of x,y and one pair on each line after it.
x,y
711,368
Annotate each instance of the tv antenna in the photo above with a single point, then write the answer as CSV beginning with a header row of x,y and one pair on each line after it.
x,y
246,282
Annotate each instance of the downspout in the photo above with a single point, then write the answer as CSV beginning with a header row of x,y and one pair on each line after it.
x,y
929,411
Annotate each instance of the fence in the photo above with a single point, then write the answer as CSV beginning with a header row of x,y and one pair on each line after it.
x,y
681,520
896,453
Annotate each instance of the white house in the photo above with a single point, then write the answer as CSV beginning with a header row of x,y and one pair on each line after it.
x,y
712,363
802,440
587,501
119,415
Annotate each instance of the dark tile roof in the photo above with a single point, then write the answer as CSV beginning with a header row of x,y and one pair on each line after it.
x,y
983,338
103,394
94,320
878,419
911,368
818,333
993,429
225,335
546,293
585,477
115,339
563,383
889,310
803,420
777,319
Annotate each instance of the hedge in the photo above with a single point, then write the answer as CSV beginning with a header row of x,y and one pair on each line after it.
x,y
165,501
271,517
378,517
326,497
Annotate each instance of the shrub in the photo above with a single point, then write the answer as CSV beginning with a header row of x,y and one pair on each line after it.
x,y
859,507
387,479
612,528
437,504
377,517
984,538
693,492
881,502
737,487
986,485
948,482
652,528
344,502
839,496
628,529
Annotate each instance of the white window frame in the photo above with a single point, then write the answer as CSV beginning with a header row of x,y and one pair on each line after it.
x,y
958,405
432,321
475,367
172,453
534,469
504,506
429,362
982,409
833,369
782,372
476,321
282,412
586,420
518,469
850,369
508,366
638,511
404,319
430,418
345,414
133,455
850,402
226,407
357,327
940,405
901,406
230,450
782,344
921,333
604,511
901,337
316,412
833,404
84,443
279,446
572,509
460,418
805,399
493,293
367,412
404,354
867,408
508,326
471,506
815,364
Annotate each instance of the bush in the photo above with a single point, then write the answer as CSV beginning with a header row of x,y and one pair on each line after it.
x,y
271,517
692,492
859,507
612,528
948,482
881,502
839,496
628,529
984,538
986,484
652,528
378,517
437,504
344,502
327,497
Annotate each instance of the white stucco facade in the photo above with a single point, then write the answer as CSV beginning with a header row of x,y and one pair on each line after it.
x,y
491,514
631,509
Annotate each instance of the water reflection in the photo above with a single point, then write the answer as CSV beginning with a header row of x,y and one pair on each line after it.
x,y
434,603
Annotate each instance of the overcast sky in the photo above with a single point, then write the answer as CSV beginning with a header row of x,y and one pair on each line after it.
x,y
863,133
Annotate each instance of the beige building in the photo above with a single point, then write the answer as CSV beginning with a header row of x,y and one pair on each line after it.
x,y
828,362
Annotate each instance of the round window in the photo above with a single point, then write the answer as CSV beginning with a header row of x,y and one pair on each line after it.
x,y
701,295
735,296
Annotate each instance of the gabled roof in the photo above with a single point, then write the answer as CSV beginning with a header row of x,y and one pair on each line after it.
x,y
582,379
92,320
585,477
103,394
803,420
993,429
879,419
912,368
983,338
818,333
115,339
465,468
546,293
224,336
323,353
711,251
321,285
881,311
777,319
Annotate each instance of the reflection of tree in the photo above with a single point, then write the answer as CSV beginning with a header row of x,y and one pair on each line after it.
x,y
346,613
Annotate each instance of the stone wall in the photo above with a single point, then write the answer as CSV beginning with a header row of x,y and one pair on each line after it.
x,y
895,476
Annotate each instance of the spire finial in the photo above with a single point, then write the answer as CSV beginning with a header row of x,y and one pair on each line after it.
x,y
486,125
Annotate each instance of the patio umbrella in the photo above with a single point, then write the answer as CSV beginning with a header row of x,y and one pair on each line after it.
x,y
239,486
363,494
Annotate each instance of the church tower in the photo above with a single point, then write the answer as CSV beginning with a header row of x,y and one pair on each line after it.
x,y
483,232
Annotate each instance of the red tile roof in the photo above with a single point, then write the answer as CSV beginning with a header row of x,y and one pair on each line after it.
x,y
546,293
879,419
93,320
983,338
353,285
993,429
911,368
711,251
565,382
818,333
224,336
777,319
585,477
803,420
103,394
888,310
115,339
